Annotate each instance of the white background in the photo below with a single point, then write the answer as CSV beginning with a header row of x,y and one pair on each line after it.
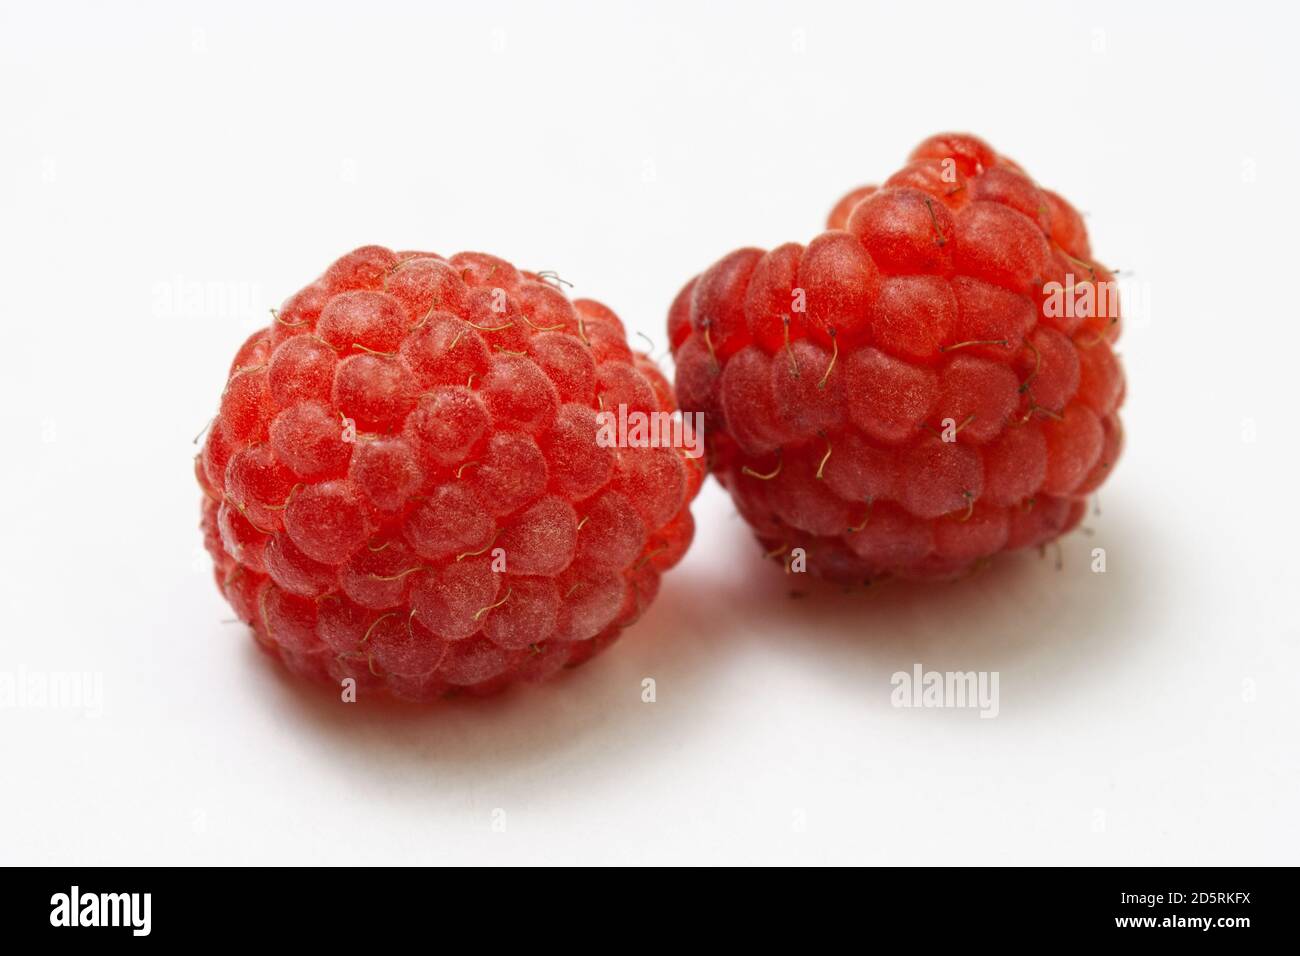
x,y
168,172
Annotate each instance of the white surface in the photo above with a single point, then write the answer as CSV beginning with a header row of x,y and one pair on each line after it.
x,y
1148,714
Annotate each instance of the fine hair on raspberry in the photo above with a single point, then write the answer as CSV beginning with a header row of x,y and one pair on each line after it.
x,y
403,488
928,383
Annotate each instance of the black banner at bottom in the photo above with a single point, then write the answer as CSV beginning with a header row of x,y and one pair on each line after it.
x,y
110,906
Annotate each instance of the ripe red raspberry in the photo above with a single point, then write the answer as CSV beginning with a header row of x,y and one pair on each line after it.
x,y
405,485
927,384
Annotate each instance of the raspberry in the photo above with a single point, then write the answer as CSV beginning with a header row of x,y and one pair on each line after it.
x,y
404,485
920,387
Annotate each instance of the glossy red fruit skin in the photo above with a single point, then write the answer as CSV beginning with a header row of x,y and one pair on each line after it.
x,y
921,387
403,487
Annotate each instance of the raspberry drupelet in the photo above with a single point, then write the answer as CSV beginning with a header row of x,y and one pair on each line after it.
x,y
404,484
928,383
